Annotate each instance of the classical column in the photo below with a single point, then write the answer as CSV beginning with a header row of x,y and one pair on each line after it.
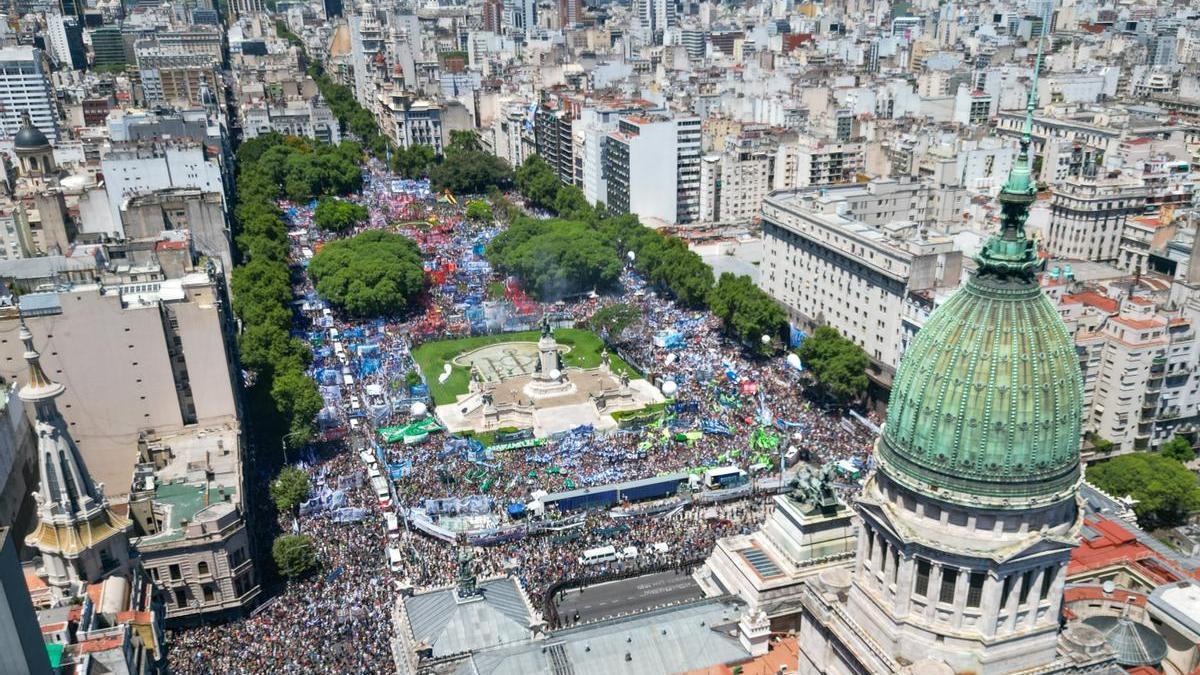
x,y
1010,603
990,607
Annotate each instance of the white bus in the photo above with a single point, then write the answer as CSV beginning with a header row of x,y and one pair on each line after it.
x,y
596,556
393,525
394,559
381,491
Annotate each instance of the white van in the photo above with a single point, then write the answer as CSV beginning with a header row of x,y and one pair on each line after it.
x,y
394,559
366,457
393,525
629,553
348,379
596,556
355,406
660,547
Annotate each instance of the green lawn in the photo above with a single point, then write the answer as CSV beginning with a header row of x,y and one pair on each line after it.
x,y
432,357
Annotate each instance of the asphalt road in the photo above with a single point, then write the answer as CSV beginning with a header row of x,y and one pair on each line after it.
x,y
627,596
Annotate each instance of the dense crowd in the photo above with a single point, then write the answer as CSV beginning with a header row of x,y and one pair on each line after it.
x,y
338,620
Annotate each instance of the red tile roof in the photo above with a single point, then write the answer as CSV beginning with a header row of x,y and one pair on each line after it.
x,y
1094,299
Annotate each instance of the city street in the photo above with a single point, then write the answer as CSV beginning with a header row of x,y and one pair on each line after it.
x,y
626,596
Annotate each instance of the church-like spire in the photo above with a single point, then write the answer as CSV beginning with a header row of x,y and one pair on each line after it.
x,y
79,538
67,492
1009,254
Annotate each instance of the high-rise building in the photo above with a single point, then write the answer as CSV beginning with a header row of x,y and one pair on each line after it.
x,y
639,157
22,651
493,15
570,12
520,16
554,142
25,88
653,17
65,35
108,47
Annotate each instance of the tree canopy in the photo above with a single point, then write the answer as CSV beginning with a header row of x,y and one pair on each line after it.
x,y
370,274
663,260
413,161
289,489
1165,490
294,555
478,209
337,215
612,320
1179,448
538,183
555,258
838,364
261,287
747,311
301,169
467,169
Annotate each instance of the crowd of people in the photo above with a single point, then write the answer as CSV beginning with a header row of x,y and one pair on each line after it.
x,y
338,620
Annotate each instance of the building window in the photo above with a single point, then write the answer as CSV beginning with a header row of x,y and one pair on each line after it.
x,y
202,568
176,574
1047,581
949,581
208,592
180,598
895,565
975,588
1026,583
922,586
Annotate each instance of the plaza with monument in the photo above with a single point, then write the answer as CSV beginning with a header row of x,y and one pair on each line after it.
x,y
528,385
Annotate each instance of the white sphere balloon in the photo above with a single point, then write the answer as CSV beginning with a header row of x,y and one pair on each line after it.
x,y
669,388
631,255
419,409
555,374
766,339
794,361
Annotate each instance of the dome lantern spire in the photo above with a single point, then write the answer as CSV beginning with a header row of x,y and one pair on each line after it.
x,y
1010,254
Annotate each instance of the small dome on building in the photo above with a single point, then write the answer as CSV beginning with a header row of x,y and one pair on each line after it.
x,y
30,137
1134,644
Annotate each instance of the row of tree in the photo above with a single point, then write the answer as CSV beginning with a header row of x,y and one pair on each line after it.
x,y
352,116
300,169
665,261
284,401
838,364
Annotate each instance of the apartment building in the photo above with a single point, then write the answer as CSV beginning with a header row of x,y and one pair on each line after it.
x,y
1139,368
1088,214
812,160
189,529
25,89
142,338
827,266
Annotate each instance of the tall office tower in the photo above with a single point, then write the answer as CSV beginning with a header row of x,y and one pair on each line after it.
x,y
493,15
22,651
520,16
654,16
25,88
570,12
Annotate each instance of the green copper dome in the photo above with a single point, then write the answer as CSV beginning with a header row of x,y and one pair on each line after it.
x,y
987,401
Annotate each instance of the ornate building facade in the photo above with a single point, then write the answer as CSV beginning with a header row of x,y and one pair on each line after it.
x,y
967,526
